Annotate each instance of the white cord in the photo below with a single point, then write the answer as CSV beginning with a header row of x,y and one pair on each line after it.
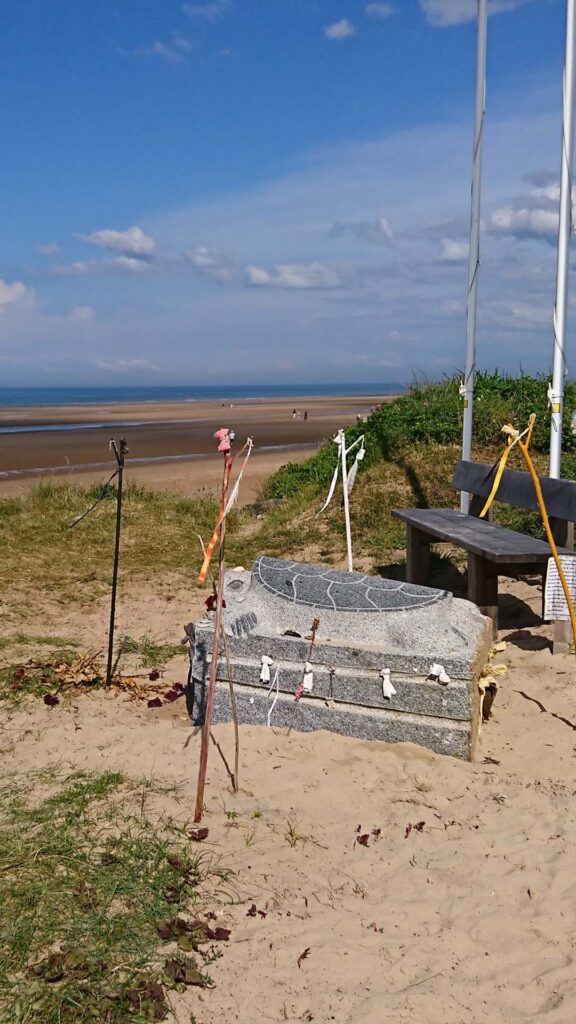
x,y
275,683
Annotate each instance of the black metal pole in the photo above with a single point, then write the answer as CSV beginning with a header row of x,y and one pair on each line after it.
x,y
120,453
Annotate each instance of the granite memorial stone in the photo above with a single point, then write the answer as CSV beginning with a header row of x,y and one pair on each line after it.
x,y
375,644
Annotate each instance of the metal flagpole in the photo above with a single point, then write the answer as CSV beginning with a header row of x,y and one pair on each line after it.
x,y
346,502
467,387
556,389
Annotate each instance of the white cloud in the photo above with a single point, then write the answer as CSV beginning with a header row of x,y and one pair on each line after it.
x,y
340,29
130,263
122,263
378,11
48,250
454,251
122,365
295,275
11,293
377,231
133,241
523,223
212,263
181,42
204,258
210,12
168,53
72,269
82,314
444,13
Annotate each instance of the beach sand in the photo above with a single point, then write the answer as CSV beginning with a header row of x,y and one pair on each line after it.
x,y
469,921
171,444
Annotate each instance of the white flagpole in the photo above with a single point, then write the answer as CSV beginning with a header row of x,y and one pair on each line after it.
x,y
346,501
556,390
467,388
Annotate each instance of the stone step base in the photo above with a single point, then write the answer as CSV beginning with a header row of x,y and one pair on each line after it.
x,y
355,686
444,736
364,656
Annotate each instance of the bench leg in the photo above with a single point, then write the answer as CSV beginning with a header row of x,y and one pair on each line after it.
x,y
483,587
417,556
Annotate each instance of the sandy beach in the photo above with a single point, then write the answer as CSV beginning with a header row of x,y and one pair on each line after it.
x,y
171,443
468,921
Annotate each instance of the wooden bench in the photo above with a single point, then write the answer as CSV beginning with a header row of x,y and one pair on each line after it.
x,y
492,550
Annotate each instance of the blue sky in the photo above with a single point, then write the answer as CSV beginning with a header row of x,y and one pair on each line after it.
x,y
272,190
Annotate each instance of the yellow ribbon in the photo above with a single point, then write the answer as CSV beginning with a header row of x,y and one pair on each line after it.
x,y
516,438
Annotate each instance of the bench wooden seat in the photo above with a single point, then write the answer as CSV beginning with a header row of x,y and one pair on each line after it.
x,y
492,550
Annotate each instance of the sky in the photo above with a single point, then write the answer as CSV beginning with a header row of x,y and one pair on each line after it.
x,y
277,191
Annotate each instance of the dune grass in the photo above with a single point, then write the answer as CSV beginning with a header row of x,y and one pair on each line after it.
x,y
412,447
88,876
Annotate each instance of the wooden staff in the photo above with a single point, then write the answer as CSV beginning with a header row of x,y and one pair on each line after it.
x,y
207,726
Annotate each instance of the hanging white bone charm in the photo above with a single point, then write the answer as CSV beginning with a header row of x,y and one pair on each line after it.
x,y
265,670
308,680
439,672
388,690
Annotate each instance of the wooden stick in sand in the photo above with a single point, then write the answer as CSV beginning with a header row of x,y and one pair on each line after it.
x,y
233,703
207,726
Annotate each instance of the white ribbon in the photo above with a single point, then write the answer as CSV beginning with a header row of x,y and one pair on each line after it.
x,y
354,470
234,493
340,440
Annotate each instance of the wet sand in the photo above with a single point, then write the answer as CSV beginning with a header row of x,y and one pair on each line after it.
x,y
171,444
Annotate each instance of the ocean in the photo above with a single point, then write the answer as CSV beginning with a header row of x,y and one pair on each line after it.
x,y
11,398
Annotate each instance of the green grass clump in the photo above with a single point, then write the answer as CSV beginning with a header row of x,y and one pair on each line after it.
x,y
29,640
87,878
151,653
36,545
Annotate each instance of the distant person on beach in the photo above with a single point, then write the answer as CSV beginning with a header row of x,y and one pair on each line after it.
x,y
305,414
294,413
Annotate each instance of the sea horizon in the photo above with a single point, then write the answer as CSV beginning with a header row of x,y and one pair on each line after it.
x,y
43,397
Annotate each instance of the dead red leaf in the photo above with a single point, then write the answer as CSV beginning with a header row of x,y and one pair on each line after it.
x,y
155,702
363,839
51,699
304,956
154,675
253,911
418,827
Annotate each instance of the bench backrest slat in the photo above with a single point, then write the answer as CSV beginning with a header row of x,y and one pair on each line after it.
x,y
517,489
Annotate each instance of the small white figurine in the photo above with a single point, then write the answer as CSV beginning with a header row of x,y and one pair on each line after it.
x,y
388,690
265,670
